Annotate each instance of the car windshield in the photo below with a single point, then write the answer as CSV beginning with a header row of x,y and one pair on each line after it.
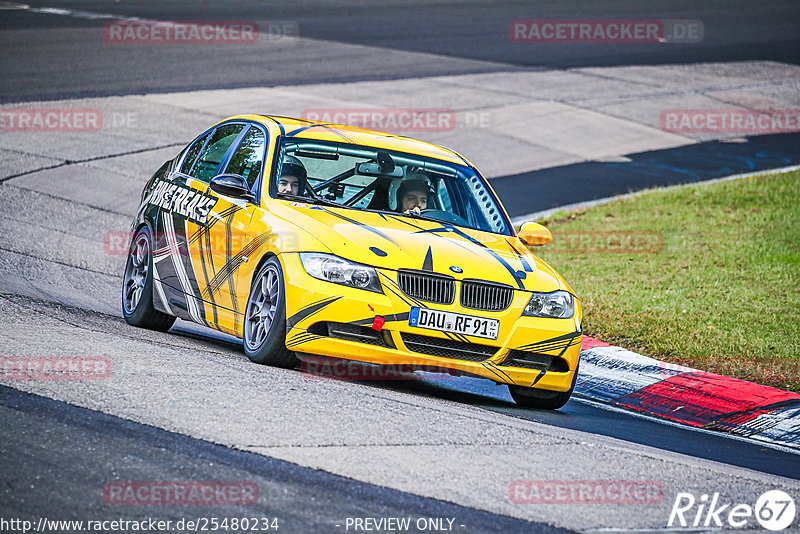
x,y
372,179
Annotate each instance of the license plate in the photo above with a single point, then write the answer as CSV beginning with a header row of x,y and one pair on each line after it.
x,y
457,323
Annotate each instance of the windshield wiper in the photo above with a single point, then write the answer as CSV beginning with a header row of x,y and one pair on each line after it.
x,y
414,215
311,200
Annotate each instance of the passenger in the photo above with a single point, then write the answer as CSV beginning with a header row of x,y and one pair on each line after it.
x,y
293,176
412,195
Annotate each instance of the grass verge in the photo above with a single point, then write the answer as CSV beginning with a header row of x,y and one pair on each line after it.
x,y
706,276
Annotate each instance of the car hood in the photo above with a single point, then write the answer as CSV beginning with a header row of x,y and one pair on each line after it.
x,y
398,242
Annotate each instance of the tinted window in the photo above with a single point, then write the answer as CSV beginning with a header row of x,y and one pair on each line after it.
x,y
218,145
352,177
444,196
249,156
193,152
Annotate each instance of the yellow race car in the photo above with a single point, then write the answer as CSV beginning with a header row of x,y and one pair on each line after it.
x,y
303,237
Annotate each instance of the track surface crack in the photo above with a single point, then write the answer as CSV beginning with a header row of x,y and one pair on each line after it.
x,y
68,162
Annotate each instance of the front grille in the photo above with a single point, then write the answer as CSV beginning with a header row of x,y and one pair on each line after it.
x,y
429,287
535,360
447,348
485,296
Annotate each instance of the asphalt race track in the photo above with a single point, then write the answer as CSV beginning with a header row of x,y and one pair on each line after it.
x,y
416,39
187,405
303,499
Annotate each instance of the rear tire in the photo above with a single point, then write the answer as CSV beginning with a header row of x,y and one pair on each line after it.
x,y
137,286
542,398
264,333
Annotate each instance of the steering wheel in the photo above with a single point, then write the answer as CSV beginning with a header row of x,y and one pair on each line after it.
x,y
446,216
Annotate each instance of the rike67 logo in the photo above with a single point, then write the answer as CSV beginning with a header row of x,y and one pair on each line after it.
x,y
774,510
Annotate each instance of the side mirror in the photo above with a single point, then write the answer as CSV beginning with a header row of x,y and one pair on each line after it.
x,y
534,234
232,185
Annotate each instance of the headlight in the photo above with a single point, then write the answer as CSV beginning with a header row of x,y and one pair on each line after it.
x,y
340,271
557,305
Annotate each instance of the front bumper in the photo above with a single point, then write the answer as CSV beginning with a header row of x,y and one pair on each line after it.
x,y
329,319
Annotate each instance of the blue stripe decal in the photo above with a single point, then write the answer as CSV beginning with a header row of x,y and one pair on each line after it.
x,y
283,131
525,264
358,223
476,242
302,128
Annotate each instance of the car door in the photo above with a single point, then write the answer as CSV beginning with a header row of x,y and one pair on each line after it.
x,y
190,224
169,275
229,246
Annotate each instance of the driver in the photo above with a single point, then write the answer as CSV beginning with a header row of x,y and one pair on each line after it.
x,y
292,180
412,195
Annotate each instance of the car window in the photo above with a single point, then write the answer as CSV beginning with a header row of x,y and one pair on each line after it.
x,y
193,152
363,186
248,158
211,156
443,195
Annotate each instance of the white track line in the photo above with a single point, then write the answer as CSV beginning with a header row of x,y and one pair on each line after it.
x,y
74,13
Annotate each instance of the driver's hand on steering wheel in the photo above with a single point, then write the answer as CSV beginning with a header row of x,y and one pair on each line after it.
x,y
415,209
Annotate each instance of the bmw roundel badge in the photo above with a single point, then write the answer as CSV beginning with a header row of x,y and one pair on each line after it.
x,y
456,269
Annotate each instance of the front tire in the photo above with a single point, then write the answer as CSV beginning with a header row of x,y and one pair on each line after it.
x,y
542,398
265,318
137,287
